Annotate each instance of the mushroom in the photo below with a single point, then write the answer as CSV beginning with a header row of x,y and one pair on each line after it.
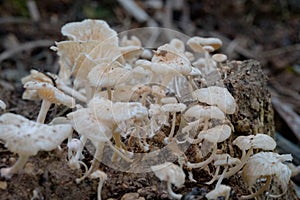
x,y
200,44
90,30
107,76
102,178
220,191
268,165
98,123
178,44
171,173
204,113
2,105
218,96
224,160
214,135
173,108
26,138
250,142
49,94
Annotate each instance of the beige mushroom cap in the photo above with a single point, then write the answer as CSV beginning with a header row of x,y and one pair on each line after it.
x,y
198,44
216,134
222,190
89,29
36,76
50,93
204,112
117,112
218,96
219,57
86,123
173,59
267,164
27,137
178,44
106,75
258,141
174,107
169,172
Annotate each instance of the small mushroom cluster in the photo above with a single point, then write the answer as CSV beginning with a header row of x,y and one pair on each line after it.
x,y
125,97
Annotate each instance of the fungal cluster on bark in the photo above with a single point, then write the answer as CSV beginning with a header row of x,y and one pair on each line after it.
x,y
144,104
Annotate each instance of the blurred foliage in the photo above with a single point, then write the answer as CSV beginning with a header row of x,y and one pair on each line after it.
x,y
15,7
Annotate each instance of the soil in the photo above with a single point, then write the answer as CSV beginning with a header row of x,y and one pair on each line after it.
x,y
47,175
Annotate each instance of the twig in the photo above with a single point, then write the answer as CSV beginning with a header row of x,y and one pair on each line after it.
x,y
288,114
279,51
285,146
133,9
33,10
13,20
25,47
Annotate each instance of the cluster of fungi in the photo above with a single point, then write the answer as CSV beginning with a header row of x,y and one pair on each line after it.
x,y
137,101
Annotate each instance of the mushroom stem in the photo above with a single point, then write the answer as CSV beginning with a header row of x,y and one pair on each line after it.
x,y
222,176
95,162
109,95
72,92
172,193
238,167
83,140
260,191
43,111
215,177
172,129
8,172
119,144
116,150
205,162
99,189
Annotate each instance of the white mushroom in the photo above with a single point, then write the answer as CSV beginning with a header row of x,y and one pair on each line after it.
x,y
267,165
102,178
26,138
204,113
90,30
171,173
250,142
214,135
220,191
218,96
200,44
173,108
49,94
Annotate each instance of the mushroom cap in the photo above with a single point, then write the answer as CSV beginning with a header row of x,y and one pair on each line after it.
x,y
169,172
173,59
265,164
27,137
178,44
219,57
198,44
107,75
222,190
50,93
86,123
133,41
90,29
169,100
116,112
174,107
99,174
2,105
36,76
215,95
258,141
204,112
131,52
225,159
216,134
